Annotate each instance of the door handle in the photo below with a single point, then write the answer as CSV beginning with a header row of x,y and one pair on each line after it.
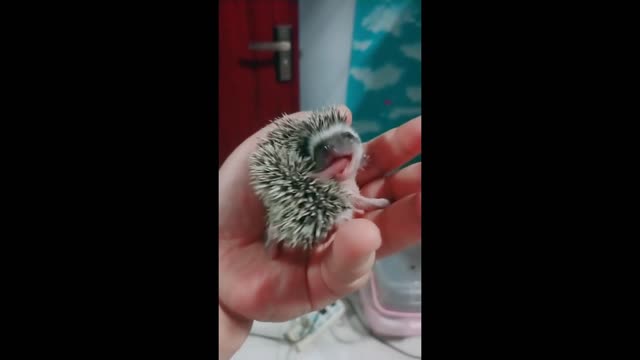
x,y
281,46
271,46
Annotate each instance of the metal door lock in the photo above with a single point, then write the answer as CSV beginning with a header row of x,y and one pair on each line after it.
x,y
282,48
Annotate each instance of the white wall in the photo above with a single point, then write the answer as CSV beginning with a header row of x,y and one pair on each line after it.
x,y
326,32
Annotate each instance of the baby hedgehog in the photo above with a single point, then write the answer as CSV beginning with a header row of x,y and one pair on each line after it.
x,y
304,172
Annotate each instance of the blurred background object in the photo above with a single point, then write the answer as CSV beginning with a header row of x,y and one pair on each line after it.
x,y
391,302
385,76
384,88
258,67
365,54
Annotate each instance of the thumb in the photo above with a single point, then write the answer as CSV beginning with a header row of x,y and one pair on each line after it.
x,y
346,265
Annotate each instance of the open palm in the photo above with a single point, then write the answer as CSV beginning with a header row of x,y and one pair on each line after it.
x,y
258,287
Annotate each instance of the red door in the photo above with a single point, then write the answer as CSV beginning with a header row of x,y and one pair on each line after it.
x,y
258,84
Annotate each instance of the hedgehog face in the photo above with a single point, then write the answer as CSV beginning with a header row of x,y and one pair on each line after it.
x,y
336,152
329,150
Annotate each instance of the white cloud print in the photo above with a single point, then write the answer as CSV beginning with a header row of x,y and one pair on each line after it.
x,y
413,51
377,79
410,18
414,94
404,111
362,45
389,19
383,19
366,126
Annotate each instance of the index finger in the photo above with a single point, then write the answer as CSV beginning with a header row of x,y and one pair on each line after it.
x,y
391,150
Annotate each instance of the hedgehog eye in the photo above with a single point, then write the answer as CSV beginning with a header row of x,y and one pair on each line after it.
x,y
348,135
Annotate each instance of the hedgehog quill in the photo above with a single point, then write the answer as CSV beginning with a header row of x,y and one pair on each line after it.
x,y
304,173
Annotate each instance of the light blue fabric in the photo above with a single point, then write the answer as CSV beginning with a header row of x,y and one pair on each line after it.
x,y
384,87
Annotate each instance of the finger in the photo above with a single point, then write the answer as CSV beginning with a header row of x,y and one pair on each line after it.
x,y
347,263
392,149
403,183
400,224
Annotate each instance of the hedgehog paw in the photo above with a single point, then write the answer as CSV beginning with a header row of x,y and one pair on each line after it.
x,y
380,203
370,204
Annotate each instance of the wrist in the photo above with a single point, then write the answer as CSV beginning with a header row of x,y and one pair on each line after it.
x,y
233,330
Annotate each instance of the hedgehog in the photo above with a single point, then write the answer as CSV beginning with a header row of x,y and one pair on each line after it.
x,y
304,173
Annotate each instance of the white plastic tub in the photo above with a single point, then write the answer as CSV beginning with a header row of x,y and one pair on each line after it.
x,y
392,300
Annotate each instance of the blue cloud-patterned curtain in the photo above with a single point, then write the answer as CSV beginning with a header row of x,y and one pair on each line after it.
x,y
384,87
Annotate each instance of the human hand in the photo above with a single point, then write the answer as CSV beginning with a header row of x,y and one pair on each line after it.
x,y
256,286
